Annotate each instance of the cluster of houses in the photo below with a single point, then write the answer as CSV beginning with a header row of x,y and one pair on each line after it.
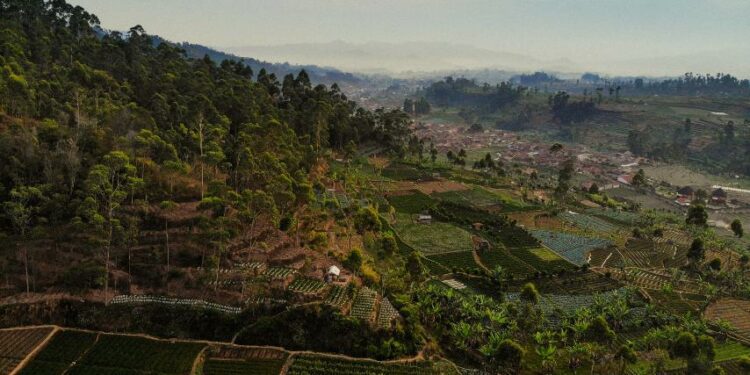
x,y
717,199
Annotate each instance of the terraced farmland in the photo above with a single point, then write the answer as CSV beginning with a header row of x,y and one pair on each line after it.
x,y
129,354
414,203
386,314
364,304
337,296
309,364
647,253
65,348
577,283
482,198
571,247
587,222
543,260
734,311
619,216
495,257
434,238
306,285
16,344
461,260
234,367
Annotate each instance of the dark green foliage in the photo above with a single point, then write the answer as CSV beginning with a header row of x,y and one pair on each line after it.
x,y
461,92
414,203
529,294
367,219
697,215
697,251
322,328
599,330
568,112
83,276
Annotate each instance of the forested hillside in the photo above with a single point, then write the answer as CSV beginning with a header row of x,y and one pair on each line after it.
x,y
96,128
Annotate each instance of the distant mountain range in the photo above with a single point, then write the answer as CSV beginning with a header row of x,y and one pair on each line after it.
x,y
400,58
317,73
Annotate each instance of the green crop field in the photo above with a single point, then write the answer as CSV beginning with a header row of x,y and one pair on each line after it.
x,y
414,203
493,258
434,238
233,367
480,197
320,365
65,348
125,354
462,260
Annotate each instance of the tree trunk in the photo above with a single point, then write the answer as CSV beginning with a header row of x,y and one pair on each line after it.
x,y
166,234
26,268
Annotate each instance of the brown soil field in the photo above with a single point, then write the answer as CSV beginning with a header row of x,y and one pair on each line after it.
x,y
734,311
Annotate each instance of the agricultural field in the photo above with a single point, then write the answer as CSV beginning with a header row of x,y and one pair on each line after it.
x,y
279,272
576,283
617,216
574,248
65,348
229,367
401,172
538,220
646,253
338,296
138,354
460,260
541,259
16,344
306,285
413,202
363,306
482,198
735,312
308,364
386,314
492,258
606,257
433,238
587,222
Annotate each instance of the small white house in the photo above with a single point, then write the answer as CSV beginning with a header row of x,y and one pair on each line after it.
x,y
424,219
333,273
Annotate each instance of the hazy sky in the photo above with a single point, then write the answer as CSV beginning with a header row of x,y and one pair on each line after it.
x,y
579,30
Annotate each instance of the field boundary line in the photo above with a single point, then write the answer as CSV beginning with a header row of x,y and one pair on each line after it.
x,y
80,357
35,351
198,359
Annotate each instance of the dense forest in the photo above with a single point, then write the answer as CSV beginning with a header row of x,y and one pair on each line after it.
x,y
92,123
462,92
694,84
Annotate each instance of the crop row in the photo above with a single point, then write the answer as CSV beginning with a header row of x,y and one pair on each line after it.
x,y
455,284
233,367
460,260
142,354
17,343
492,258
588,222
619,216
306,285
319,365
279,272
337,296
571,247
364,303
137,299
386,314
